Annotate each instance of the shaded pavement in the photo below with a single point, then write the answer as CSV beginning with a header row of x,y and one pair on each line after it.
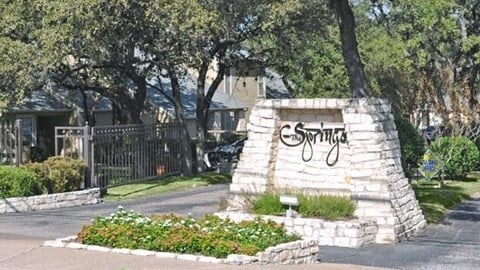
x,y
452,244
22,235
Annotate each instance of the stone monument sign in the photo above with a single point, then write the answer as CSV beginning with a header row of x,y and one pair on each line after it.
x,y
344,147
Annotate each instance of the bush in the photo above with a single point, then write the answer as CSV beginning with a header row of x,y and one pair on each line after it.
x,y
59,174
268,204
325,206
41,174
18,182
458,154
411,144
209,236
315,206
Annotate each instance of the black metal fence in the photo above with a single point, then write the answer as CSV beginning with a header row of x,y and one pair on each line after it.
x,y
117,155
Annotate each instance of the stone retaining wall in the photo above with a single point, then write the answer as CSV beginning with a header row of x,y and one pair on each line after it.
x,y
343,147
50,201
298,252
352,233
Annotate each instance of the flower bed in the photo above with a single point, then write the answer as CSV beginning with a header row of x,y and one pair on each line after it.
x,y
298,252
209,236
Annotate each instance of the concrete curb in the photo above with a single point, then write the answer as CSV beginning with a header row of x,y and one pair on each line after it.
x,y
297,252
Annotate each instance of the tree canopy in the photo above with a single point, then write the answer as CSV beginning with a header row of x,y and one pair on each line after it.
x,y
421,55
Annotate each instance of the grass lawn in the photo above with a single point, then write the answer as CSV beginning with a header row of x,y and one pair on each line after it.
x,y
435,201
164,185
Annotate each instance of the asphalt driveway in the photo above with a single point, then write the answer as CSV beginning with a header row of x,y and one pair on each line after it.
x,y
452,244
57,223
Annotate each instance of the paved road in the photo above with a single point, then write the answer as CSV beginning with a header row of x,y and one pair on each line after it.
x,y
59,223
452,244
22,235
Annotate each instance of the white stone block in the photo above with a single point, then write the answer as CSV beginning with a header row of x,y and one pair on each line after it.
x,y
351,232
266,113
325,241
56,244
209,259
166,255
98,248
120,250
288,103
187,257
342,241
298,230
143,252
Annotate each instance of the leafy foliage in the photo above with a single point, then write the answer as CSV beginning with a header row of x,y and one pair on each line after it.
x,y
268,204
210,236
325,206
58,174
17,182
458,154
411,143
314,206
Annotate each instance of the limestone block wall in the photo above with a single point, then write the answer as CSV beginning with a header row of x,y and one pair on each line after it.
x,y
346,147
50,201
350,233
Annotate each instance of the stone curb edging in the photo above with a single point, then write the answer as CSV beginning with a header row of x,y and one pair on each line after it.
x,y
50,201
353,233
297,252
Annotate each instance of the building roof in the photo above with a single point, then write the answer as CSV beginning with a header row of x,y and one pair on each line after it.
x,y
275,87
39,102
188,96
61,100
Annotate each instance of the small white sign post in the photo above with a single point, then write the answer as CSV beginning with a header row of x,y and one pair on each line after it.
x,y
290,201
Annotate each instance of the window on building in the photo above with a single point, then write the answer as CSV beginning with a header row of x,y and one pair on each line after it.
x,y
29,130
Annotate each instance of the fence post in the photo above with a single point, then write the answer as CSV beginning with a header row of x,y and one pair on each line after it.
x,y
86,156
93,174
19,146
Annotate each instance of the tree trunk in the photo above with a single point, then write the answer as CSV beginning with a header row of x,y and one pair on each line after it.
x,y
187,164
201,129
137,102
353,63
119,114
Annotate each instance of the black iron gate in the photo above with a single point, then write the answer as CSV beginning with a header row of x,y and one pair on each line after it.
x,y
116,155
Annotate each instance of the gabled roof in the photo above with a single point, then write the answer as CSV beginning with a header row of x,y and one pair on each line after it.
x,y
39,102
188,96
275,87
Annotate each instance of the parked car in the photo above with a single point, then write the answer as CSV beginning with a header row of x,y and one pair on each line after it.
x,y
223,153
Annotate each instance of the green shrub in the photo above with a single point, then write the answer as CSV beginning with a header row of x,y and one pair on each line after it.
x,y
411,143
315,206
458,154
18,182
268,204
210,236
41,174
325,206
59,174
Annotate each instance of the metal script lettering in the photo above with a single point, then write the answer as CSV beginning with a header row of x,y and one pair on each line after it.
x,y
310,136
